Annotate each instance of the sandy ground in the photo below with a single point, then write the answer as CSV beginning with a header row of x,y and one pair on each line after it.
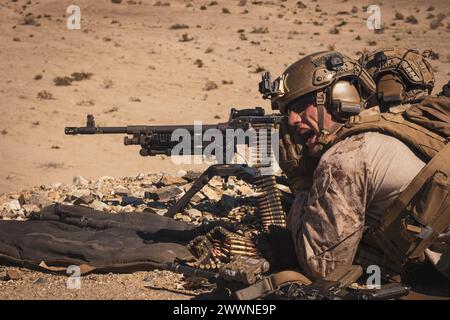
x,y
143,74
161,285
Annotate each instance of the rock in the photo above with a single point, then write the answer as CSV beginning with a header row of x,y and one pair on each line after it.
x,y
98,205
157,205
21,200
216,182
182,217
198,197
190,176
211,193
97,194
168,180
78,193
19,215
121,190
56,185
13,205
30,208
14,196
194,213
208,216
210,85
131,201
181,173
112,201
54,195
79,181
163,194
141,207
244,190
186,187
140,176
161,212
140,193
39,200
113,209
39,281
127,208
106,178
301,5
227,202
12,275
149,210
86,199
149,182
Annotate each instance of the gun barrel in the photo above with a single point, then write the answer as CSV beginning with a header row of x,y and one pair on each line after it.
x,y
135,129
95,130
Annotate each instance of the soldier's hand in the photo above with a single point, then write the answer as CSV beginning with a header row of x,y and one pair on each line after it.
x,y
294,159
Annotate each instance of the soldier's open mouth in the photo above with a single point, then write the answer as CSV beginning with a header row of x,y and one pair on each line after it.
x,y
307,134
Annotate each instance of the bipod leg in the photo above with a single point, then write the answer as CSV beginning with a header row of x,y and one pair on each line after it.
x,y
221,170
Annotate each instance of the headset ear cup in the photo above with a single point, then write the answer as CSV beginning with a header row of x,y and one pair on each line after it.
x,y
336,109
344,100
332,104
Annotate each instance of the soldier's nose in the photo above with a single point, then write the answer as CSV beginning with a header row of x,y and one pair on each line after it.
x,y
294,118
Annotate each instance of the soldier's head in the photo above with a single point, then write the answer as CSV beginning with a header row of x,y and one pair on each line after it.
x,y
401,75
317,91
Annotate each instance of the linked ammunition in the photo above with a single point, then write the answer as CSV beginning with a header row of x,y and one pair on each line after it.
x,y
273,208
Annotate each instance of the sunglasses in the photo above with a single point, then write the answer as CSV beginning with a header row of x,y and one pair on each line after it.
x,y
300,104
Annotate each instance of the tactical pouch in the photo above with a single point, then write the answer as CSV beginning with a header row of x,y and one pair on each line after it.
x,y
420,213
430,208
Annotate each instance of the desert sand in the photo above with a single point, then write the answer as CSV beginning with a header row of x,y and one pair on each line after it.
x,y
144,71
149,62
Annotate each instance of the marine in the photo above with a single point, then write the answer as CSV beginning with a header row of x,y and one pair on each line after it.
x,y
368,200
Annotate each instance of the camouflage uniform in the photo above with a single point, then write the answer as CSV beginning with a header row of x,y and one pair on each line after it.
x,y
360,177
354,183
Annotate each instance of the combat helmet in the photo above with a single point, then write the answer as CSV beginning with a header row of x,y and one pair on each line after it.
x,y
401,75
332,79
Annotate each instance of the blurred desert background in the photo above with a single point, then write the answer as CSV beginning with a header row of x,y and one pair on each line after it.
x,y
166,62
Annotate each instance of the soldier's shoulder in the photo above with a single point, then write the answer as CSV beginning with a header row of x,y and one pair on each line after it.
x,y
355,151
348,146
344,159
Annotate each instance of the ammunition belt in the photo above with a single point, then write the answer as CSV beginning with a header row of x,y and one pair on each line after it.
x,y
219,246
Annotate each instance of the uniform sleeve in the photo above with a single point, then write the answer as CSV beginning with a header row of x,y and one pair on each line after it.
x,y
328,225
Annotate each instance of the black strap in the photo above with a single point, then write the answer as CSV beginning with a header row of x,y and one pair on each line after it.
x,y
320,102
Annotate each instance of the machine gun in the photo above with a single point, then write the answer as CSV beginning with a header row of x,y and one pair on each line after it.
x,y
155,140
